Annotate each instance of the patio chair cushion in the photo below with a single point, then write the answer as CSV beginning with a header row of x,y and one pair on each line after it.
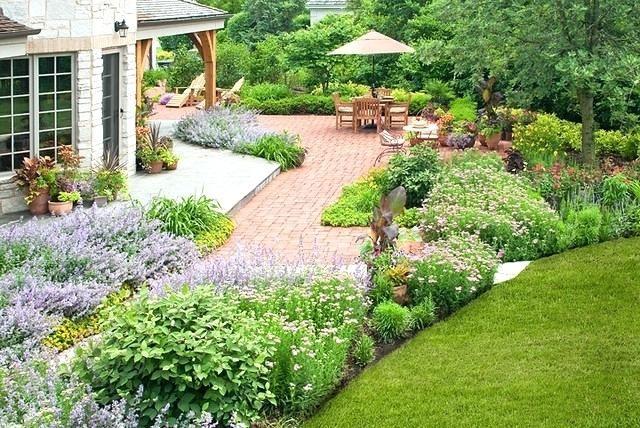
x,y
397,110
345,109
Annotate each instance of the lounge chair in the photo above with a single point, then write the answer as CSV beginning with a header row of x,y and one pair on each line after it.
x,y
190,94
392,144
344,111
227,95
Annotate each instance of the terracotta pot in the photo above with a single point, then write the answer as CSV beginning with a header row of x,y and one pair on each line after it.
x,y
172,166
493,141
482,140
155,167
60,208
39,205
401,295
442,140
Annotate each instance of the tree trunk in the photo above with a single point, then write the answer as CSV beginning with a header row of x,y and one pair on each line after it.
x,y
585,96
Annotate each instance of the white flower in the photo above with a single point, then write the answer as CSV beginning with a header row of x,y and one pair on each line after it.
x,y
296,367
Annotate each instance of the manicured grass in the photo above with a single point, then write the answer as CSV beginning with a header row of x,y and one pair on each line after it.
x,y
557,346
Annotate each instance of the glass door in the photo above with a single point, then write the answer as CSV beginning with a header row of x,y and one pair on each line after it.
x,y
111,106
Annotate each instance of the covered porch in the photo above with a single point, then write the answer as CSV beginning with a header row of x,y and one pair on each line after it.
x,y
159,18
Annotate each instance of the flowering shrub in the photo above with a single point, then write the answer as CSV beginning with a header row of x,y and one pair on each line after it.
x,y
547,136
450,272
67,267
479,197
220,128
282,338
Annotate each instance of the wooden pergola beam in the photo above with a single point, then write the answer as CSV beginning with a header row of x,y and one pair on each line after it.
x,y
143,48
207,49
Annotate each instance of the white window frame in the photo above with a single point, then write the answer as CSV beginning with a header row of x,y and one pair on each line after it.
x,y
34,105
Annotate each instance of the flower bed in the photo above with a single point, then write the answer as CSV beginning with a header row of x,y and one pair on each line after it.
x,y
65,268
237,129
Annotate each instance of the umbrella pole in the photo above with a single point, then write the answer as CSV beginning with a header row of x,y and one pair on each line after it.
x,y
373,75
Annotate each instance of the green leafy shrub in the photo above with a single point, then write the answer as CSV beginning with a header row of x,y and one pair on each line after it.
x,y
266,92
284,149
584,226
188,217
391,321
419,101
617,143
355,205
192,350
346,90
364,350
186,66
232,63
153,76
547,135
416,172
483,198
299,104
439,91
451,273
217,236
410,218
463,109
423,314
314,326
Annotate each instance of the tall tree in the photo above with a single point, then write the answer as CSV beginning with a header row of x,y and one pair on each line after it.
x,y
589,49
261,18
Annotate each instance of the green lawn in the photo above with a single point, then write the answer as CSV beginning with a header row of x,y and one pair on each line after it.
x,y
558,346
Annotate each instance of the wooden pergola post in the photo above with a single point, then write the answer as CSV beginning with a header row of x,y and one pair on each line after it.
x,y
143,47
205,42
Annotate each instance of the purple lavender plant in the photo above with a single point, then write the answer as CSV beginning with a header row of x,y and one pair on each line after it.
x,y
66,267
220,127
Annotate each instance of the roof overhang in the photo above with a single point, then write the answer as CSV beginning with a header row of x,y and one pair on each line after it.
x,y
161,28
13,46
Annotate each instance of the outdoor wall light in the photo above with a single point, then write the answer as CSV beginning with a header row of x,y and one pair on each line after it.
x,y
121,27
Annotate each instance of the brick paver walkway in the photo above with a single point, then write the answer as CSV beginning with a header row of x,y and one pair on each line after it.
x,y
285,215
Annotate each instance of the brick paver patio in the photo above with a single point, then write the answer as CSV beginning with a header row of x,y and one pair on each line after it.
x,y
285,216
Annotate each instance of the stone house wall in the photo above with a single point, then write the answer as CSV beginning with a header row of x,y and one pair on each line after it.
x,y
84,28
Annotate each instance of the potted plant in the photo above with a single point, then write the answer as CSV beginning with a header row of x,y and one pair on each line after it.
x,y
412,138
463,136
32,178
64,203
150,150
444,127
169,159
489,133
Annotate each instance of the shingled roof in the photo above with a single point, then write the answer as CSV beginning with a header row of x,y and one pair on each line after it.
x,y
10,28
166,11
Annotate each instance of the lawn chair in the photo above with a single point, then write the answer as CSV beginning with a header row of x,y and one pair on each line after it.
x,y
190,94
228,95
397,114
344,111
392,144
365,110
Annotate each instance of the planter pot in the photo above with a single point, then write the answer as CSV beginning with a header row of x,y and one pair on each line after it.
x,y
443,140
60,208
172,166
493,141
401,295
39,205
507,135
100,201
155,167
482,140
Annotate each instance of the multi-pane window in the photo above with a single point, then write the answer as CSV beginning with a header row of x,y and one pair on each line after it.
x,y
15,124
55,113
35,125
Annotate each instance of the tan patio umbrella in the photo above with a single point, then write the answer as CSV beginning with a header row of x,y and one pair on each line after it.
x,y
373,43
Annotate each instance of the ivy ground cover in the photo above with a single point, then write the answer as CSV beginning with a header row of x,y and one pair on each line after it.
x,y
546,348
